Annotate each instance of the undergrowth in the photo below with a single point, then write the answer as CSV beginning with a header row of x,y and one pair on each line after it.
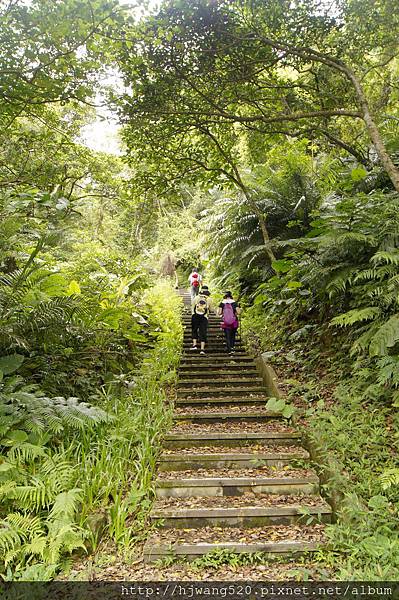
x,y
355,432
72,473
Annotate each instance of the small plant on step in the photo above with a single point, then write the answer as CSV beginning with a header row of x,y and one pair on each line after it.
x,y
280,406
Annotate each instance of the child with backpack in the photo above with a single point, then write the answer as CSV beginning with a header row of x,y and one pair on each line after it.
x,y
199,319
229,310
194,280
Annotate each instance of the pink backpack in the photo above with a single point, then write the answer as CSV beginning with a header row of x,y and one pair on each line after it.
x,y
229,318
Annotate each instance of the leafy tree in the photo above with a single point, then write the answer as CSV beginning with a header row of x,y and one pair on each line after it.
x,y
51,52
204,71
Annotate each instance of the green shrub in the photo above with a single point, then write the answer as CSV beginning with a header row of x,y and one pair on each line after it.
x,y
57,455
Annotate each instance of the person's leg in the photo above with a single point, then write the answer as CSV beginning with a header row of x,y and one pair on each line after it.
x,y
194,330
227,339
203,332
233,338
192,294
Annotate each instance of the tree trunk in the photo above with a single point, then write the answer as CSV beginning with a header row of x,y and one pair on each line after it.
x,y
262,225
338,65
265,235
236,178
373,132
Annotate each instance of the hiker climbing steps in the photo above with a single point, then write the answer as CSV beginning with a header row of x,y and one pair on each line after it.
x,y
232,475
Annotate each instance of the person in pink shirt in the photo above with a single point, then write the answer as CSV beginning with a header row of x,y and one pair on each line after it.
x,y
229,310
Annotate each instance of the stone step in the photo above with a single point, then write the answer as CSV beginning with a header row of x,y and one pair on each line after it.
x,y
235,515
239,380
215,460
186,319
239,366
155,552
238,489
212,348
209,416
220,400
213,336
212,325
212,353
184,440
203,486
193,543
216,346
225,368
212,391
212,341
196,371
216,357
221,359
214,329
203,377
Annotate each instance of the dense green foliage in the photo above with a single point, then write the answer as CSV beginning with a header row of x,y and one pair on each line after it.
x,y
56,491
261,143
281,120
87,343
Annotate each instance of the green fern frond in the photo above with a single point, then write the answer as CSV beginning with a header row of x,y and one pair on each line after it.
x,y
38,413
253,250
6,489
15,530
256,255
41,490
34,496
389,300
247,219
376,291
77,414
26,525
63,536
66,504
386,257
36,546
389,478
26,452
385,337
9,538
388,370
356,316
340,282
367,275
60,473
11,555
363,341
343,238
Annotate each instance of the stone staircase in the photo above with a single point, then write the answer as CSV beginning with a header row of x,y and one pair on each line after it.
x,y
232,475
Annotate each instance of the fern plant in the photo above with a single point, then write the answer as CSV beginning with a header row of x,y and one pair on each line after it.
x,y
38,495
